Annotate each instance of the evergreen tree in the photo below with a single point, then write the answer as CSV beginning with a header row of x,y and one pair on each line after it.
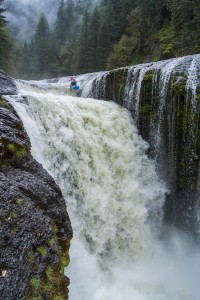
x,y
111,16
70,20
42,49
129,47
53,55
2,18
33,60
60,24
104,46
185,22
94,27
126,7
115,33
64,59
7,46
83,51
25,65
152,14
122,54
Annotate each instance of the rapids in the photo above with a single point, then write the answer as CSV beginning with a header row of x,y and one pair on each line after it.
x,y
120,250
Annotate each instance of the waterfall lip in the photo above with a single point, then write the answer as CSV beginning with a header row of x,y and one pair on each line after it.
x,y
193,79
93,126
85,81
61,85
54,114
152,64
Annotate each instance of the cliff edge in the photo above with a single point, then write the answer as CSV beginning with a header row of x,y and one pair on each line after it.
x,y
35,229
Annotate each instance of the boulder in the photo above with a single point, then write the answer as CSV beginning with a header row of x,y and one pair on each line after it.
x,y
7,85
35,229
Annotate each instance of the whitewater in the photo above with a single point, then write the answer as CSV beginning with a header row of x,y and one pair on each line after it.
x,y
120,250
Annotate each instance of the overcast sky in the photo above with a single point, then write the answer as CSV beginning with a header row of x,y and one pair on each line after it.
x,y
23,15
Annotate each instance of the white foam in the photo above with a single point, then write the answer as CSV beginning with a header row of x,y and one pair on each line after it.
x,y
95,154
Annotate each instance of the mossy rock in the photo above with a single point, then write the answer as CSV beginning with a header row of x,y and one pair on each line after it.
x,y
198,96
148,76
145,109
115,85
5,104
53,284
178,85
14,151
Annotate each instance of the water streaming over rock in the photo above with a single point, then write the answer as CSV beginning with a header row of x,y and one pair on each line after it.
x,y
163,98
113,193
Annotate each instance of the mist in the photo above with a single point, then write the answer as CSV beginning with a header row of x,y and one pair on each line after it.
x,y
23,15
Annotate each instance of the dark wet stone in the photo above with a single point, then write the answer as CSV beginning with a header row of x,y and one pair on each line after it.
x,y
7,85
35,229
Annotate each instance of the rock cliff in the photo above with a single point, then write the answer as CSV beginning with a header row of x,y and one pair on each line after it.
x,y
35,230
164,100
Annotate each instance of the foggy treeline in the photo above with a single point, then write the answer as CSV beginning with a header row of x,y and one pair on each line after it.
x,y
107,34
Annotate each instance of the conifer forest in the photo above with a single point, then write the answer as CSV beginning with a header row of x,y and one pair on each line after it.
x,y
99,149
92,36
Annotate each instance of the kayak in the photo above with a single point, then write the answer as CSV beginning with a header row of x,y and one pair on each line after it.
x,y
75,87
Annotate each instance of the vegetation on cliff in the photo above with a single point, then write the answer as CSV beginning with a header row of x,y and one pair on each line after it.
x,y
163,98
35,230
88,37
8,49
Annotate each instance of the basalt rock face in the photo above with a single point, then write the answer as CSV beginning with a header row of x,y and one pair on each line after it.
x,y
164,100
7,85
35,230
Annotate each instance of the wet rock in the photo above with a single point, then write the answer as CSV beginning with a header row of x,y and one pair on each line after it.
x,y
35,230
7,85
164,100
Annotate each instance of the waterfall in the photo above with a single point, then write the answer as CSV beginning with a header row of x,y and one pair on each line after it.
x,y
163,98
114,198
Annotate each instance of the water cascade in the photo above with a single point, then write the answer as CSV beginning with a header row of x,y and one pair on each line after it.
x,y
114,198
163,98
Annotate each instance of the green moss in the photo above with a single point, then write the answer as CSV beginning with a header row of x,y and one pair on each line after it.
x,y
11,147
198,97
42,250
148,76
3,103
19,201
178,88
178,83
30,257
13,215
54,228
64,262
50,274
115,85
52,242
145,109
18,151
53,284
58,298
8,215
21,153
47,288
165,38
36,288
35,283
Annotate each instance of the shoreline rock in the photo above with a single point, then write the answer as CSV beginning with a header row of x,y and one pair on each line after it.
x,y
35,229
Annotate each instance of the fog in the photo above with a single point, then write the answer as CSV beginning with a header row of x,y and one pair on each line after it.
x,y
23,15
